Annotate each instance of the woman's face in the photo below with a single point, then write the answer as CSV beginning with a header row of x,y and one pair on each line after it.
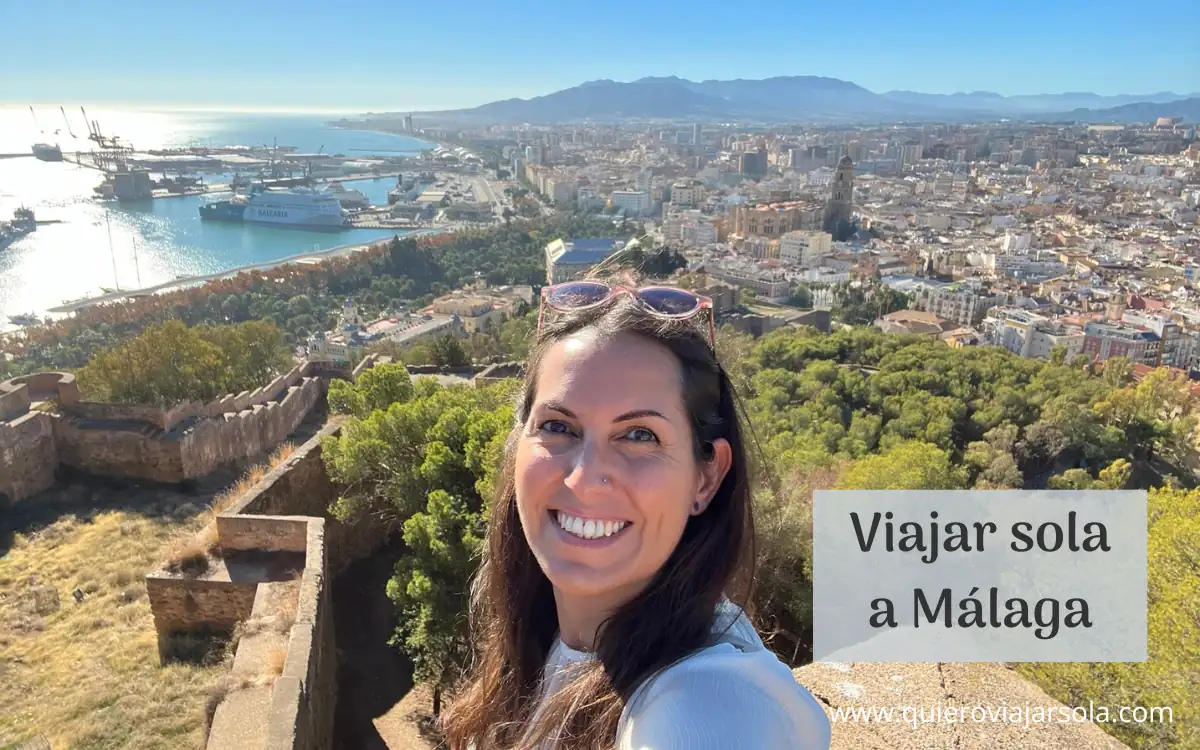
x,y
606,476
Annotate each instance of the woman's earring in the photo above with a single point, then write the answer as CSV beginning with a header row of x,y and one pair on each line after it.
x,y
696,507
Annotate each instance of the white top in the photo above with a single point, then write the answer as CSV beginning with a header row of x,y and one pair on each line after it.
x,y
732,694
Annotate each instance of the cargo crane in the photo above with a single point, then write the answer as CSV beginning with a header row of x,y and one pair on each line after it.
x,y
67,121
112,155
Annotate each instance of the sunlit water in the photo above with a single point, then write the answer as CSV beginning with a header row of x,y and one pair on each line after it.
x,y
72,259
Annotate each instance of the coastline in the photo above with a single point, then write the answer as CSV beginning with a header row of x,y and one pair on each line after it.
x,y
313,255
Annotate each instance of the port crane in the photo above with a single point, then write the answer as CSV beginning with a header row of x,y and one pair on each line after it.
x,y
67,121
112,154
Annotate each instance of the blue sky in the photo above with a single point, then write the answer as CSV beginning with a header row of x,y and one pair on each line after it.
x,y
364,54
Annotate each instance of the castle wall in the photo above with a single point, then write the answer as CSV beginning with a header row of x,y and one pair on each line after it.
x,y
190,605
14,400
262,533
300,486
28,455
126,452
305,695
254,430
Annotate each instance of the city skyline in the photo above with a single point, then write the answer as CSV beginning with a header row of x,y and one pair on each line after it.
x,y
418,59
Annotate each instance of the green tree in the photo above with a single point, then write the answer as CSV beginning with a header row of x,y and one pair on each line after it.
x,y
170,362
910,465
376,389
1170,676
800,297
448,351
426,463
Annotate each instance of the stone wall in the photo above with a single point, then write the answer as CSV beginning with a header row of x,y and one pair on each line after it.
x,y
305,695
255,430
14,400
140,449
285,513
300,486
168,418
186,441
238,533
59,386
187,605
129,450
28,456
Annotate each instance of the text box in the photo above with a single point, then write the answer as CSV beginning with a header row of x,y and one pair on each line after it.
x,y
979,575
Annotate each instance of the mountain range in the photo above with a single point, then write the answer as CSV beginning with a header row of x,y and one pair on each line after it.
x,y
810,98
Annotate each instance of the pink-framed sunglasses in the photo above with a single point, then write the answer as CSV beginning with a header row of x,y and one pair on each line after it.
x,y
663,301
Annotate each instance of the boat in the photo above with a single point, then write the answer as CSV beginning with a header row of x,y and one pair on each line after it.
x,y
350,199
24,319
289,207
46,152
23,222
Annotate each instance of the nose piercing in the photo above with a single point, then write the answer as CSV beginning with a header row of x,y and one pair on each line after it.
x,y
604,479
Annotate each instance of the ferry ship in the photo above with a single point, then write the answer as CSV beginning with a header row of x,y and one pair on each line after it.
x,y
46,152
291,207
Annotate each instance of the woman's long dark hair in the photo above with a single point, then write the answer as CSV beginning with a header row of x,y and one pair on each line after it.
x,y
514,619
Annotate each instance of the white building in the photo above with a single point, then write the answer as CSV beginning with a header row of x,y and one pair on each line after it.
x,y
697,234
1016,242
804,247
960,304
1030,335
685,194
635,202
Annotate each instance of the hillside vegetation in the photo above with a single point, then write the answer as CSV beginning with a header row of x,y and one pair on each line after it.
x,y
301,299
170,362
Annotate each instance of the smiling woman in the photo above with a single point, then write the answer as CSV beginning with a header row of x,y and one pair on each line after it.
x,y
610,604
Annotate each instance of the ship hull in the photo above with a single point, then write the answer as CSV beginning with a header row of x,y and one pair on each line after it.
x,y
47,153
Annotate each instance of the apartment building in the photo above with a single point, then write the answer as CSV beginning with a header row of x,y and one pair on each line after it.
x,y
1177,345
687,193
959,304
1030,335
804,247
1108,339
634,202
771,286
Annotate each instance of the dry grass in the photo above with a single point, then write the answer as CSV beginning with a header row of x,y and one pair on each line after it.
x,y
87,675
190,555
275,661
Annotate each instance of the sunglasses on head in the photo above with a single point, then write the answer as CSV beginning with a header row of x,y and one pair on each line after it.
x,y
662,301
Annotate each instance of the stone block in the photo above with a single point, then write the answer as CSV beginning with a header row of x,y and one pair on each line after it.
x,y
262,533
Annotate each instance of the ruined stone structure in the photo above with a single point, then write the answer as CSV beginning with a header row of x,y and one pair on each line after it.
x,y
28,449
276,534
186,441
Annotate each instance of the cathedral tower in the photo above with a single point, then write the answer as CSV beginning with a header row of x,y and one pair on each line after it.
x,y
840,206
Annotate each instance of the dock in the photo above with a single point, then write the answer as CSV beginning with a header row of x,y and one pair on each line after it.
x,y
87,161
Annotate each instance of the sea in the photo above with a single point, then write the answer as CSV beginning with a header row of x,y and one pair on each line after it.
x,y
153,241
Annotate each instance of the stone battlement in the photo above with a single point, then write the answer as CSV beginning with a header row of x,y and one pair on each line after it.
x,y
276,549
172,444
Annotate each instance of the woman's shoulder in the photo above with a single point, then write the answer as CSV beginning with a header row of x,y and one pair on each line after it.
x,y
727,695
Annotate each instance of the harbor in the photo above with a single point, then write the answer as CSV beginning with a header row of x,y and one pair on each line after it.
x,y
88,248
